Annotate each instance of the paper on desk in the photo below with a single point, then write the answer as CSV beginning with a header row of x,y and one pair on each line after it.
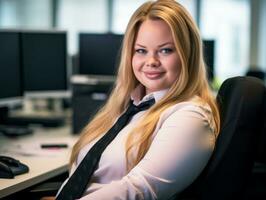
x,y
32,149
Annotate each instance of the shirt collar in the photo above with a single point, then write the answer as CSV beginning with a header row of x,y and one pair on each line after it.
x,y
139,91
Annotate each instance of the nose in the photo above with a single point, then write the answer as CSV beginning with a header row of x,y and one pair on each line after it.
x,y
152,61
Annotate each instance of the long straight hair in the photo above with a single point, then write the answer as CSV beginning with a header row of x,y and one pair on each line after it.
x,y
192,80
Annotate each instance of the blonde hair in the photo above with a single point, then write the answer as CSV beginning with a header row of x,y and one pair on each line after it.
x,y
191,81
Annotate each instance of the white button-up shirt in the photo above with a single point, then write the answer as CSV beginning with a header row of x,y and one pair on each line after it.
x,y
183,142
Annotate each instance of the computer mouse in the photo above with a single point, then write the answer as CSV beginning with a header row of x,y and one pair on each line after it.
x,y
10,167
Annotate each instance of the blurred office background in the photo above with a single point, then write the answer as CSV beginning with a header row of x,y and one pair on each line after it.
x,y
237,26
72,28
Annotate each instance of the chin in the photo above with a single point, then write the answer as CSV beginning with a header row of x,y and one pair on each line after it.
x,y
154,89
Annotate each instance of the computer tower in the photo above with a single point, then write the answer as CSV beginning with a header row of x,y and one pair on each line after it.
x,y
87,99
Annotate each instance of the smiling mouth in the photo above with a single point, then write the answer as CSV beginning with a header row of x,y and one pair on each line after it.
x,y
153,75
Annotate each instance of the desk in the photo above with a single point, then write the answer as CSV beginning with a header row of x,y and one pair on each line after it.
x,y
44,164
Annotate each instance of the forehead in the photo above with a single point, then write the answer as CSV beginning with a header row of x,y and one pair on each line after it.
x,y
154,31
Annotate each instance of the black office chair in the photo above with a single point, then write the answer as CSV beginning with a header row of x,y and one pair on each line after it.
x,y
242,107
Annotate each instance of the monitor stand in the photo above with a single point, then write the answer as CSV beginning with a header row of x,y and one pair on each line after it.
x,y
29,116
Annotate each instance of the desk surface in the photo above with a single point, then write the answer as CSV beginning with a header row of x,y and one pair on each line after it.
x,y
43,163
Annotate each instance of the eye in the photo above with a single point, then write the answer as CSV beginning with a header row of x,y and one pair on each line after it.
x,y
166,50
141,51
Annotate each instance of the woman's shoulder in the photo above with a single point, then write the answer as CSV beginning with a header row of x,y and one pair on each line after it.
x,y
194,104
194,107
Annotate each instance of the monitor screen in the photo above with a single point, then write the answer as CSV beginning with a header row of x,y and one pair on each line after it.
x,y
99,53
44,62
10,68
209,54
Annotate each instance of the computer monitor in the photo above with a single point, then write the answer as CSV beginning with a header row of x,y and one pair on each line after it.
x,y
11,92
44,61
209,55
99,53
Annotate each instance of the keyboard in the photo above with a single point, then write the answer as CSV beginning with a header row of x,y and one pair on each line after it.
x,y
15,130
46,121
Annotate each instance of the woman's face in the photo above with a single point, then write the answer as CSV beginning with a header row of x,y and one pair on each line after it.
x,y
155,61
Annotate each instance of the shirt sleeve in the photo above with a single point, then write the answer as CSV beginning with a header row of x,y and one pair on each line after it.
x,y
179,152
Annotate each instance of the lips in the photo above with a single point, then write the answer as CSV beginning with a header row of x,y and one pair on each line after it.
x,y
153,75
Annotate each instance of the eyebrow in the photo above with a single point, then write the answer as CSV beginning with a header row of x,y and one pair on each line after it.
x,y
166,44
161,45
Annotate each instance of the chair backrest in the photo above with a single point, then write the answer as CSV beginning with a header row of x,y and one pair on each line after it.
x,y
242,107
256,73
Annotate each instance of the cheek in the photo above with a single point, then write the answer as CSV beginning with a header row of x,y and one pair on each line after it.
x,y
174,68
135,66
136,63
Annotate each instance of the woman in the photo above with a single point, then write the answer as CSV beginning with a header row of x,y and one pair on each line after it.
x,y
161,150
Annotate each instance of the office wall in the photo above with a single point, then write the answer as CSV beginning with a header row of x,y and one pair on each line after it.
x,y
25,14
257,35
262,37
228,23
82,15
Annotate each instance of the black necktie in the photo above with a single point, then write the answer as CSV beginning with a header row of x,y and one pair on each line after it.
x,y
78,182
